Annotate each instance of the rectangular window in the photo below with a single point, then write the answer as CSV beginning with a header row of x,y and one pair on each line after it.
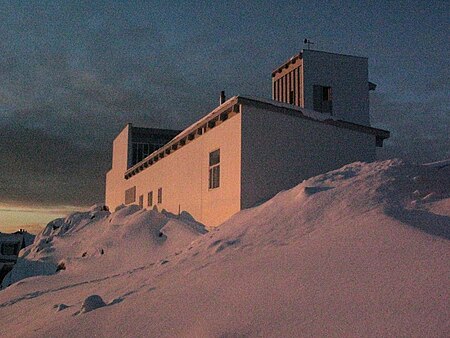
x,y
9,249
299,90
278,90
322,99
140,151
160,196
326,93
150,199
288,87
130,195
141,201
214,169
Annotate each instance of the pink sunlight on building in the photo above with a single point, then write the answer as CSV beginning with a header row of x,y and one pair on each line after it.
x,y
248,149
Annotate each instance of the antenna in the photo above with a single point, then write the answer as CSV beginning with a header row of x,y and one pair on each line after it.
x,y
308,42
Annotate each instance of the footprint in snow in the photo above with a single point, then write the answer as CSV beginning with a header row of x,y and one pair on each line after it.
x,y
227,244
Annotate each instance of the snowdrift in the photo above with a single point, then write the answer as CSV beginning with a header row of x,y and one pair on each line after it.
x,y
126,237
359,251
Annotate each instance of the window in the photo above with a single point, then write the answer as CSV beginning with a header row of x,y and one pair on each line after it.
x,y
323,99
141,201
9,249
326,93
214,169
159,195
140,151
150,199
130,195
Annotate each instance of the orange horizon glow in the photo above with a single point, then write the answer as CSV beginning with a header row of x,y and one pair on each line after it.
x,y
31,219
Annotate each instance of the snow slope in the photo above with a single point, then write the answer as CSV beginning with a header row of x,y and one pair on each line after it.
x,y
360,251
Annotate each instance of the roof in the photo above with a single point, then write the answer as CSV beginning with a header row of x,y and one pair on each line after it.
x,y
232,106
11,238
293,59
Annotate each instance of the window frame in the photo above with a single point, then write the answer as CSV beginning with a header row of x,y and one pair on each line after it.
x,y
213,171
5,246
150,198
140,150
130,191
160,195
323,99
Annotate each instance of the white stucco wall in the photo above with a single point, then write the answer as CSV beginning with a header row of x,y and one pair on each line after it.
x,y
279,151
183,176
114,178
348,77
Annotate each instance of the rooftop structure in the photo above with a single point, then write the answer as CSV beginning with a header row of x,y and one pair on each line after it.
x,y
325,82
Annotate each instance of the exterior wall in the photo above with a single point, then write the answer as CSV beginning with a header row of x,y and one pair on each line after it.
x,y
120,161
183,176
348,77
279,151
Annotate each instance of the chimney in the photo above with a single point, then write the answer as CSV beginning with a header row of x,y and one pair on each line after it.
x,y
222,97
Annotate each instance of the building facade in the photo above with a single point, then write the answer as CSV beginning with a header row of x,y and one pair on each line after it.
x,y
243,152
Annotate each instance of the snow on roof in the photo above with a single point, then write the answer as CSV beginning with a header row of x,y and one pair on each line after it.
x,y
305,112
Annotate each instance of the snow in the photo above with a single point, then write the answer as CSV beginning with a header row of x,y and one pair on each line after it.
x,y
359,251
439,164
303,111
92,303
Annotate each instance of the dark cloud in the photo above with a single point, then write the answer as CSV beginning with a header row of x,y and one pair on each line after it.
x,y
42,169
419,130
69,84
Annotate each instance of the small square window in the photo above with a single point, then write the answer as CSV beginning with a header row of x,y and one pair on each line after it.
x,y
130,195
9,249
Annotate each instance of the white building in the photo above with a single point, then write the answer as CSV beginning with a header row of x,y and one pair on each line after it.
x,y
246,150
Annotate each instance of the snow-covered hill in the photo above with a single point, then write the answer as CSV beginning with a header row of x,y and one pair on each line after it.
x,y
360,251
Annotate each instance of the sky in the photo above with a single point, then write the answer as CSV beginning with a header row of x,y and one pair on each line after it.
x,y
74,73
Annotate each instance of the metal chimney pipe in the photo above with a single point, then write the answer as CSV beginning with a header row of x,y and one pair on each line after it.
x,y
222,97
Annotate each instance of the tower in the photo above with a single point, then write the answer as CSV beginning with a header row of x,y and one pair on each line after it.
x,y
329,83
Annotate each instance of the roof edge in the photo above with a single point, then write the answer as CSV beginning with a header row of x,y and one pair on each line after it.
x,y
275,106
299,112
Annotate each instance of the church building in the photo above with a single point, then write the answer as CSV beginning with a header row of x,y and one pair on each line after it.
x,y
248,149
